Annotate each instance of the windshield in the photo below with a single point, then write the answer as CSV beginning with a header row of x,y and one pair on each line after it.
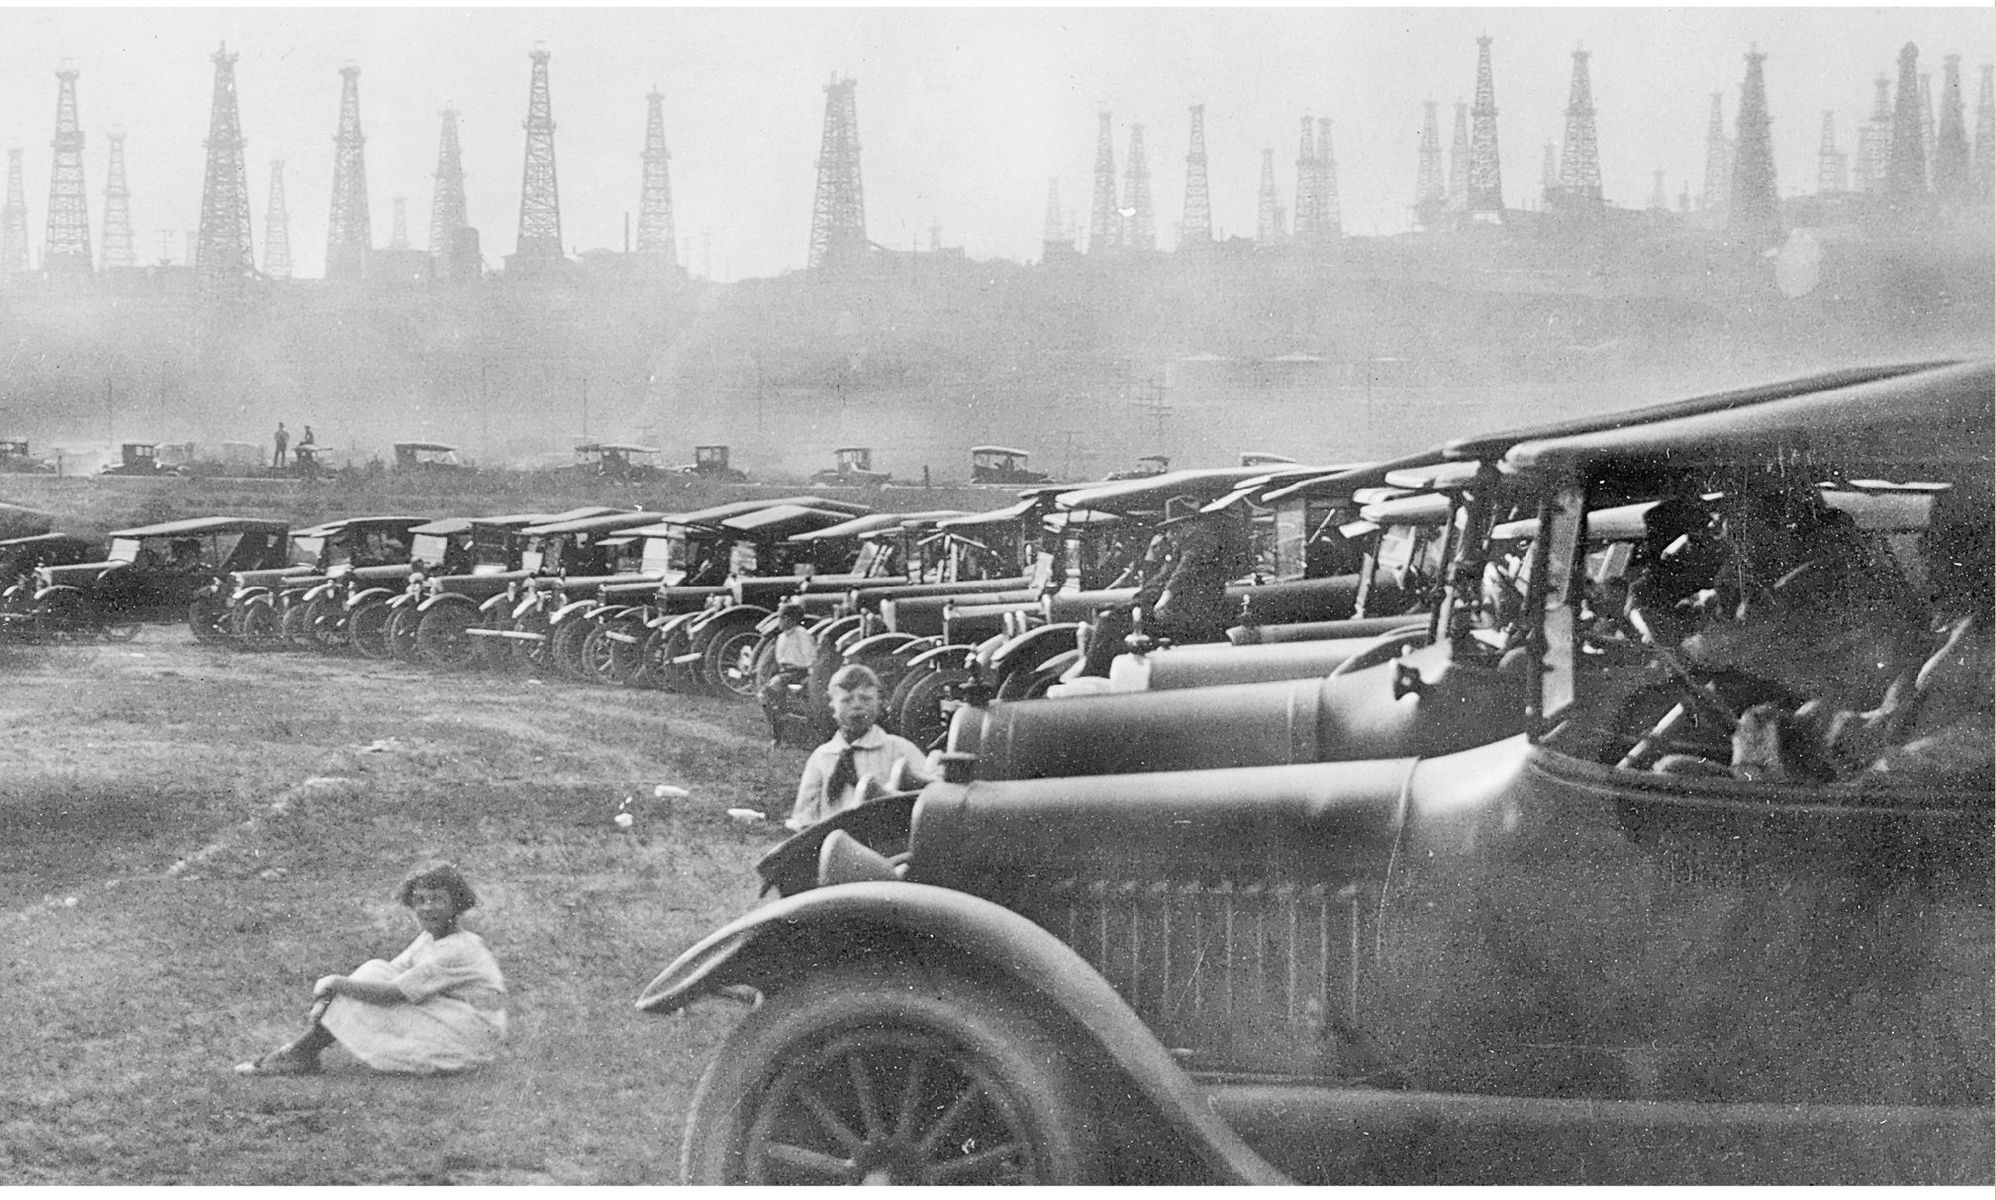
x,y
431,548
123,550
305,551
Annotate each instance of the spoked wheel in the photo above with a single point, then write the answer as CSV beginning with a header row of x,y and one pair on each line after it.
x,y
292,628
491,653
401,633
666,643
888,1077
926,708
598,655
255,627
442,637
367,629
729,662
530,656
322,624
207,616
565,649
624,642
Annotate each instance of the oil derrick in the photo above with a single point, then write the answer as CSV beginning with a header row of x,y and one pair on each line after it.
x,y
1951,178
398,233
1832,174
1330,213
1718,158
1874,141
448,220
222,245
277,227
540,195
1104,223
1430,189
1305,227
838,218
1985,138
1549,176
1580,160
1055,241
1458,162
1197,229
1486,176
1753,214
1268,217
1906,167
349,235
14,219
655,232
67,247
1927,124
1140,231
118,252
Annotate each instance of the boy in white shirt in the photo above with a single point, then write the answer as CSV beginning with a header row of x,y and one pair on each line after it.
x,y
860,747
795,651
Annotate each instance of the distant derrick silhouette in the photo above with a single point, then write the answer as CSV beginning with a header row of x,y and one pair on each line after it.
x,y
1952,182
1753,214
277,227
1054,239
656,235
1486,175
838,213
1832,176
448,218
1140,227
1906,170
398,229
1580,160
1330,212
540,189
66,248
14,218
222,254
1430,188
1268,216
1104,224
1458,161
1985,135
119,253
1197,227
349,232
1874,141
1304,228
1718,158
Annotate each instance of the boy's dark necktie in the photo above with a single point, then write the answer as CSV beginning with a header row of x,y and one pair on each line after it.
x,y
844,775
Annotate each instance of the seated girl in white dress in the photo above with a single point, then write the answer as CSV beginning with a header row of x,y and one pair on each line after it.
x,y
439,1006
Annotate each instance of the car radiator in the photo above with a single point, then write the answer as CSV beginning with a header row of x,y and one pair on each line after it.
x,y
1256,979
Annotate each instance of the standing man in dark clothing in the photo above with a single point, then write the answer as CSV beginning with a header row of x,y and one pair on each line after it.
x,y
281,441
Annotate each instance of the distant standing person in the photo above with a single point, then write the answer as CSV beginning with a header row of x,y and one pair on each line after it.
x,y
281,441
438,1006
794,652
308,440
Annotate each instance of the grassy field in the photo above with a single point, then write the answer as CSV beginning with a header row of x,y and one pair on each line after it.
x,y
189,837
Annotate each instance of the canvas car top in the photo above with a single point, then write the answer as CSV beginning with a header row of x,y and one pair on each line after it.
x,y
602,521
200,525
439,447
876,522
1149,493
449,525
783,520
1935,420
997,516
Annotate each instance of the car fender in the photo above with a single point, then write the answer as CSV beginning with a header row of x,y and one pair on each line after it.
x,y
44,593
671,621
714,621
317,590
938,653
1033,647
369,595
245,597
880,643
499,604
574,608
827,925
437,601
405,599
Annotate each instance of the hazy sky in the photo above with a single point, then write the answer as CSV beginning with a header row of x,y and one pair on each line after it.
x,y
964,113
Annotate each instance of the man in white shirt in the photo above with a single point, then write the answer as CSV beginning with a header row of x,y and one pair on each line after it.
x,y
860,747
794,653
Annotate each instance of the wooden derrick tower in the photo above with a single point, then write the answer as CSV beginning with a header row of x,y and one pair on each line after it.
x,y
838,212
655,230
1579,158
277,227
540,191
66,248
349,234
14,218
1952,182
1430,186
1906,169
119,253
1140,225
1486,175
1197,229
448,220
1104,222
222,254
1753,214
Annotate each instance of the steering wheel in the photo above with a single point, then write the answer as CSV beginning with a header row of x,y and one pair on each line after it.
x,y
1700,695
1383,649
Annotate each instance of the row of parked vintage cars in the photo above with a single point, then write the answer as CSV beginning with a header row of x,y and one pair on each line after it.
x,y
1383,888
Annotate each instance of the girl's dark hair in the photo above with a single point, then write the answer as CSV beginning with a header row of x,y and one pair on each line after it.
x,y
439,875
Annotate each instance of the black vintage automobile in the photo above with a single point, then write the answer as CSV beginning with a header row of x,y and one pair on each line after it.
x,y
153,573
1618,948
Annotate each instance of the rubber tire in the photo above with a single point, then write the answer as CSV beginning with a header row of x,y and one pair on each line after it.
x,y
323,631
564,649
526,658
441,640
292,630
920,718
401,634
667,643
64,618
205,615
491,654
1017,1057
367,629
599,654
721,664
255,627
628,664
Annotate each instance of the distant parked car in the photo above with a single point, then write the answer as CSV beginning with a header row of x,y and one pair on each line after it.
x,y
1002,464
711,462
420,457
852,467
621,461
141,458
15,459
154,573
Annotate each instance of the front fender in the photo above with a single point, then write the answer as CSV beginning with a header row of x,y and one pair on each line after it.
x,y
573,608
880,643
1034,647
369,595
827,926
317,590
939,653
498,603
449,598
